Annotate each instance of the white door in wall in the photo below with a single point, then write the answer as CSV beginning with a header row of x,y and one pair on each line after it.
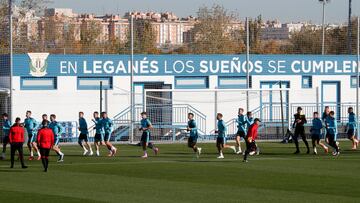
x,y
330,96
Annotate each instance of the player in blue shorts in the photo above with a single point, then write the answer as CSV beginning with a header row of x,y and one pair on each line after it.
x,y
31,126
351,128
107,126
99,137
192,129
58,130
146,126
6,129
221,136
83,137
315,131
241,132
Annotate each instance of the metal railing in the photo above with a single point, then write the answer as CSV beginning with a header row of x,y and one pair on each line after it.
x,y
172,117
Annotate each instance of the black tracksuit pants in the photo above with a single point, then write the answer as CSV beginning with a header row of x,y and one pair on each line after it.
x,y
300,131
18,146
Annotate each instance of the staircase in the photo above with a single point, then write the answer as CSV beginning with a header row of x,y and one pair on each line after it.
x,y
169,121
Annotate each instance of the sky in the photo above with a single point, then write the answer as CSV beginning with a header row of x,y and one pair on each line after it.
x,y
284,10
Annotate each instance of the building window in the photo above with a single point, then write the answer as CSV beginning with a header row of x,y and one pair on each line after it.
x,y
306,81
34,83
93,83
235,82
191,82
353,82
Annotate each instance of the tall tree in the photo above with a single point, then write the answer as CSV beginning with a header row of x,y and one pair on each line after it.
x,y
144,38
215,33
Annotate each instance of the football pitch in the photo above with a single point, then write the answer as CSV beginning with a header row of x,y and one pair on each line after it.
x,y
175,175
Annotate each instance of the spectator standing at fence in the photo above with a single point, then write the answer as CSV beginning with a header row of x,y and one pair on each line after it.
x,y
221,137
58,130
250,139
45,140
331,132
107,126
6,129
351,128
16,139
315,131
299,122
192,129
84,135
31,126
241,132
146,126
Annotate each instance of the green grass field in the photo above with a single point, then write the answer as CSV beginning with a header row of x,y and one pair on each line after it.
x,y
176,176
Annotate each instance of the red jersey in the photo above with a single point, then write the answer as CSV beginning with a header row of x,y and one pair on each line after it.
x,y
253,132
16,134
45,138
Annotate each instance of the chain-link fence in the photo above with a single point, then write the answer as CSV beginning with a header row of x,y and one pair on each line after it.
x,y
68,54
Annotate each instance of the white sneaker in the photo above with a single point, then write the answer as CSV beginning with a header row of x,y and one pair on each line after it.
x,y
252,153
97,153
85,152
61,158
220,157
199,151
239,152
91,153
233,148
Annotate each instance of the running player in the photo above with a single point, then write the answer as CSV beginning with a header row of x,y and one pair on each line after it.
x,y
221,138
58,130
107,126
6,129
299,121
146,126
192,141
250,139
31,125
331,132
46,140
83,138
351,128
241,125
315,131
99,138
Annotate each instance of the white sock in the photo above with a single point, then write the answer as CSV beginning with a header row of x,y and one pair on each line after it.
x,y
233,148
31,153
84,148
221,154
38,153
240,149
61,154
113,148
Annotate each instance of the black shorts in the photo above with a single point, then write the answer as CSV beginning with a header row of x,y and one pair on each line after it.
x,y
145,137
315,137
350,133
98,137
83,136
44,152
192,141
251,146
6,139
240,133
220,140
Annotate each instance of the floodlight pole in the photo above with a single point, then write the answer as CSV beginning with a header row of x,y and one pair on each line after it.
x,y
132,116
323,28
350,29
358,75
11,57
247,64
